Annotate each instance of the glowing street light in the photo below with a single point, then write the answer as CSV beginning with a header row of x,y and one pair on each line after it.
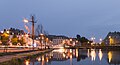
x,y
8,32
25,20
100,40
93,38
2,31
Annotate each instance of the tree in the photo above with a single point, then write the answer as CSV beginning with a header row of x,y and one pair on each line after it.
x,y
5,40
14,40
83,39
21,41
102,44
78,37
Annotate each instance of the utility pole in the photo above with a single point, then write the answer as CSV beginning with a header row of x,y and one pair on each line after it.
x,y
33,33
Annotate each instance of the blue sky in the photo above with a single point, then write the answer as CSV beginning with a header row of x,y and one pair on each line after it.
x,y
65,17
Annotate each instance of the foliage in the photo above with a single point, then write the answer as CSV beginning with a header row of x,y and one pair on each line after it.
x,y
83,39
21,41
102,44
4,38
14,40
78,37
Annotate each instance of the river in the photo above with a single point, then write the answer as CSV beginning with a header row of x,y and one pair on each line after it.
x,y
76,57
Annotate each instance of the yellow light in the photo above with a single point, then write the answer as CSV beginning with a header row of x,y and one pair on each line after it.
x,y
76,41
110,56
41,34
63,41
88,53
27,62
76,53
47,59
47,39
26,35
109,36
70,50
70,39
88,42
43,58
7,31
100,54
2,31
70,56
39,59
25,20
64,55
61,50
100,39
93,54
111,41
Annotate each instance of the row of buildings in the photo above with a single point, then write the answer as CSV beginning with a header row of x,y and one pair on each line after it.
x,y
48,40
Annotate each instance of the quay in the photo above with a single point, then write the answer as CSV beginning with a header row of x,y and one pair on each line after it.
x,y
95,47
21,55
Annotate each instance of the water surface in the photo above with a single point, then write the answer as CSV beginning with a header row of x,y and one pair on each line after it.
x,y
76,57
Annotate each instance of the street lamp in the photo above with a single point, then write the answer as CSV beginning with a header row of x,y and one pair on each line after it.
x,y
92,39
32,21
2,31
100,40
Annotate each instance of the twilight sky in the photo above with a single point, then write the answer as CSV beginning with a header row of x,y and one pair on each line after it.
x,y
65,17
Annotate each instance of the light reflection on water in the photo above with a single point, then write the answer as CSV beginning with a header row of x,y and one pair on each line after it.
x,y
76,57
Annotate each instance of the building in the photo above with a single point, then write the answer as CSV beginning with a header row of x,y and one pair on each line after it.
x,y
57,39
112,38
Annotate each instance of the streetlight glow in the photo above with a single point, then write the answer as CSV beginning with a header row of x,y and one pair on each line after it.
x,y
7,31
100,39
25,20
2,31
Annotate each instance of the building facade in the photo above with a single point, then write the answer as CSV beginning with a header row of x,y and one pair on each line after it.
x,y
112,38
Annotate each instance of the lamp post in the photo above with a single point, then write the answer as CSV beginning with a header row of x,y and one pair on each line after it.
x,y
92,39
33,34
100,40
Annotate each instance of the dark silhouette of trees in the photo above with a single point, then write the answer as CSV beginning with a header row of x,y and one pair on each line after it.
x,y
78,37
83,40
5,40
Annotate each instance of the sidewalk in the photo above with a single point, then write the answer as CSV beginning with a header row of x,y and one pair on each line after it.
x,y
21,55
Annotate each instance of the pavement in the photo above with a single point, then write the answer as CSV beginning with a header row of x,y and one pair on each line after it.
x,y
20,55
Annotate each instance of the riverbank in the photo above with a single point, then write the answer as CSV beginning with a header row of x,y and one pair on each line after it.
x,y
16,59
95,47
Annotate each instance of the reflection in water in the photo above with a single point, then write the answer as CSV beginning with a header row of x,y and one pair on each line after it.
x,y
100,54
70,56
39,59
88,53
70,50
59,50
93,54
27,62
76,53
47,59
43,60
109,56
70,59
